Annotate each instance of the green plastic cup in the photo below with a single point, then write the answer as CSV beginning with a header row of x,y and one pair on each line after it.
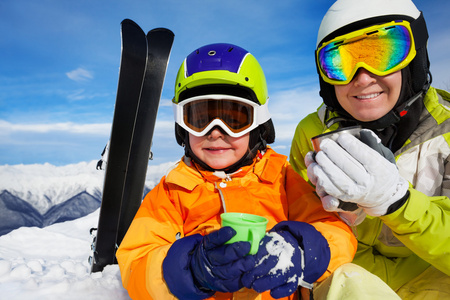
x,y
248,227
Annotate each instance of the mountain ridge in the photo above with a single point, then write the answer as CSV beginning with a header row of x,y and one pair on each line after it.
x,y
39,195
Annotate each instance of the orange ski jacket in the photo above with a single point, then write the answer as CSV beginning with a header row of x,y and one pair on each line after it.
x,y
189,200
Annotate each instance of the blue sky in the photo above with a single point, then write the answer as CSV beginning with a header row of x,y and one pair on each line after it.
x,y
59,66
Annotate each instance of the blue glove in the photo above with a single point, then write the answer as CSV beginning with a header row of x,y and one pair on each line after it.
x,y
219,267
291,254
196,267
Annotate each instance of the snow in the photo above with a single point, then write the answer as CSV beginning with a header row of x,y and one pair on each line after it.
x,y
52,263
278,247
284,251
45,185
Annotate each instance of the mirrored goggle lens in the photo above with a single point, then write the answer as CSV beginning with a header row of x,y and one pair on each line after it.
x,y
236,115
380,50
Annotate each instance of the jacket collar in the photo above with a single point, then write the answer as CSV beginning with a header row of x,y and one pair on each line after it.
x,y
188,175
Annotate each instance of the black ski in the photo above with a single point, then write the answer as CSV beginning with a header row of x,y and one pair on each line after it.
x,y
141,76
159,42
131,75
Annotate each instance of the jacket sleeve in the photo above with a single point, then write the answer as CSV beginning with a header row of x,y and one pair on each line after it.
x,y
144,247
422,224
301,142
305,206
341,239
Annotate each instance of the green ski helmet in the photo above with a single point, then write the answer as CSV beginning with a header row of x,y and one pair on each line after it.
x,y
226,71
346,16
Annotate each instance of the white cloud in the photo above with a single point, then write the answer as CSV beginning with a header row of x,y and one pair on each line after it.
x,y
165,125
80,74
165,102
82,94
69,127
289,107
77,95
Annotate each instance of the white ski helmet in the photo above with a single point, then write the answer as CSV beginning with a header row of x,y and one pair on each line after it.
x,y
345,12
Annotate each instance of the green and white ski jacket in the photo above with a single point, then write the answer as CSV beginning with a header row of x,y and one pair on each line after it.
x,y
399,246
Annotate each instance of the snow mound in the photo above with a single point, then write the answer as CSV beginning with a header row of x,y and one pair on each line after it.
x,y
52,263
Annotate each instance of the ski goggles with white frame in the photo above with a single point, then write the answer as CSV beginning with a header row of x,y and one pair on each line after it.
x,y
380,49
235,115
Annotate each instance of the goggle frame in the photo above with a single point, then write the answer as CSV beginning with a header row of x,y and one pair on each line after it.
x,y
359,34
260,115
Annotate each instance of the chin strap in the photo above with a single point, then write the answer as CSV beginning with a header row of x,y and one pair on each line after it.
x,y
402,110
390,118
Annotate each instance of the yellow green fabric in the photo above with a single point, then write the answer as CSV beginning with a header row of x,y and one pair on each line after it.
x,y
401,246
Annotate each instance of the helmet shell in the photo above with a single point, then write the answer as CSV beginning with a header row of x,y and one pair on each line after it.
x,y
345,12
221,64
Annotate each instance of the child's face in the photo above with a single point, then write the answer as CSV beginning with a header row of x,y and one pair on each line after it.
x,y
219,150
369,97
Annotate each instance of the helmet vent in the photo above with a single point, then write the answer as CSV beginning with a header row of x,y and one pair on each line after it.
x,y
212,53
230,49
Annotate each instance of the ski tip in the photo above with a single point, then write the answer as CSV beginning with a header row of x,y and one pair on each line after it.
x,y
162,29
128,21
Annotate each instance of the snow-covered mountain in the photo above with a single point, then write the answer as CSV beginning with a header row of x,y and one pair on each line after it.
x,y
42,194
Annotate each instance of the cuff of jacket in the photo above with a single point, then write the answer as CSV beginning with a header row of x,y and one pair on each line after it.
x,y
399,203
415,207
177,273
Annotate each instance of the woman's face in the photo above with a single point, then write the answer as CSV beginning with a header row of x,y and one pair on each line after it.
x,y
369,97
219,150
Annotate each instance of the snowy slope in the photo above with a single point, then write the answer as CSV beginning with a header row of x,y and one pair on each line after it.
x,y
52,262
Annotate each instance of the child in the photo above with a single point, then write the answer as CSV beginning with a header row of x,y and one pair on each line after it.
x,y
382,83
175,246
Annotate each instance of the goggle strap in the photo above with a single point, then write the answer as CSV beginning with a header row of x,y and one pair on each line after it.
x,y
263,113
420,32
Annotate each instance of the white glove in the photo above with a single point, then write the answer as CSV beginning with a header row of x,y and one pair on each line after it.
x,y
353,172
331,204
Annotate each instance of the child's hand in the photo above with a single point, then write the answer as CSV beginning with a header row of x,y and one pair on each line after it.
x,y
278,265
281,262
219,267
197,266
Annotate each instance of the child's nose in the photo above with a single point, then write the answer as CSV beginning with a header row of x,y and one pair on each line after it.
x,y
216,132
